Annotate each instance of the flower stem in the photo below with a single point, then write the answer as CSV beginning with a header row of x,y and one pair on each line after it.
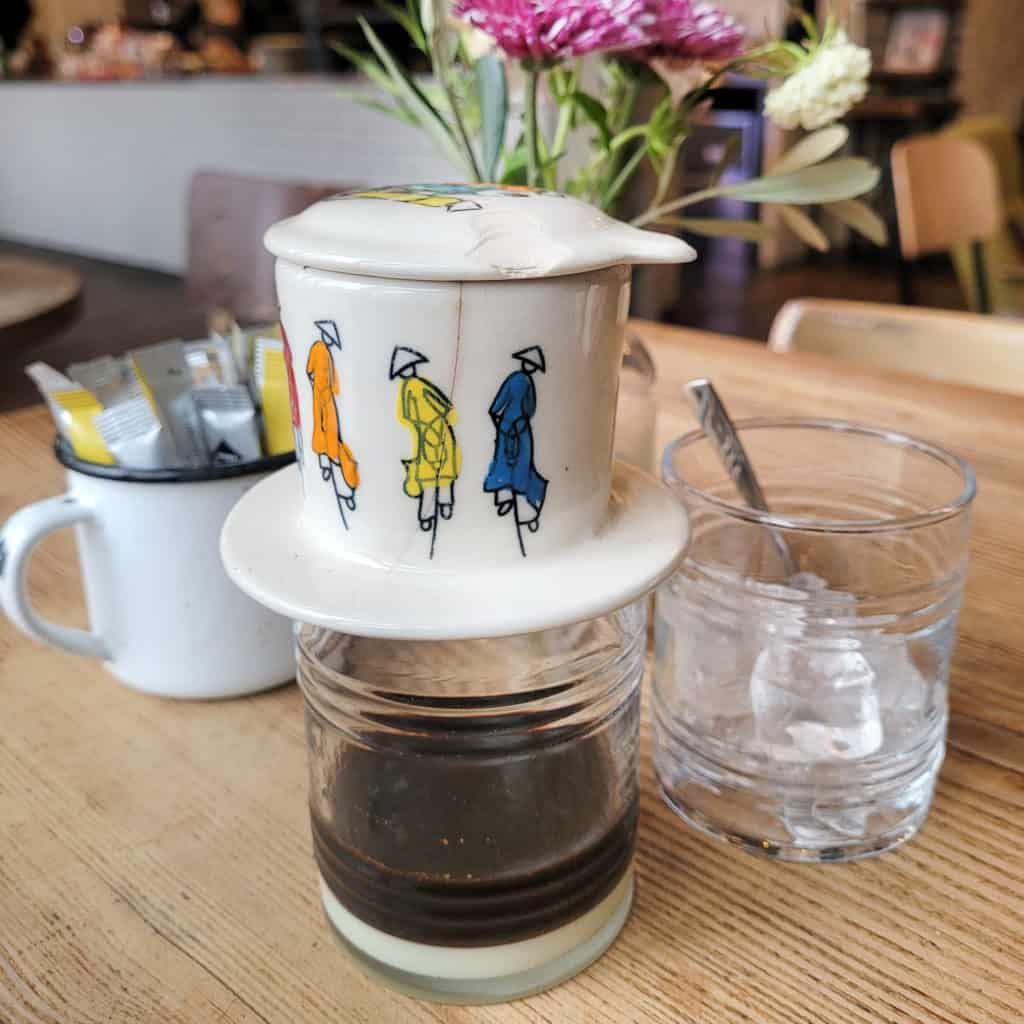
x,y
441,74
655,213
668,171
531,133
622,109
611,193
561,132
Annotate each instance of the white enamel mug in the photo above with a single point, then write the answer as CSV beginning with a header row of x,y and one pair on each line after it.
x,y
164,617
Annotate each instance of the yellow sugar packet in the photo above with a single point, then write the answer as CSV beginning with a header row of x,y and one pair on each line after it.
x,y
74,410
270,383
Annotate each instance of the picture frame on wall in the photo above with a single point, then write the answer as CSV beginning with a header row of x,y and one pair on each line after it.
x,y
917,41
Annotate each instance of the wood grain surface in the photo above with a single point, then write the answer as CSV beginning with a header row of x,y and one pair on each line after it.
x,y
30,288
155,861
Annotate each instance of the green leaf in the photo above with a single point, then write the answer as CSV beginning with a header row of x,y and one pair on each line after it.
x,y
595,112
368,66
385,108
795,50
713,227
827,182
492,92
823,183
810,26
414,14
803,227
409,20
412,97
513,165
729,156
859,216
812,149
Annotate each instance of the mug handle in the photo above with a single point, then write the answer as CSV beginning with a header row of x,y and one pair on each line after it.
x,y
18,537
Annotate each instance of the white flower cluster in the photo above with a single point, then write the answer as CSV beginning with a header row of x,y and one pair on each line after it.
x,y
832,81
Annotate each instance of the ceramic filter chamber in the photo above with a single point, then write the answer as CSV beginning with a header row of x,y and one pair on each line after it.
x,y
410,313
468,332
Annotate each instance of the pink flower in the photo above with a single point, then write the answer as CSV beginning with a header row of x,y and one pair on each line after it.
x,y
548,30
694,31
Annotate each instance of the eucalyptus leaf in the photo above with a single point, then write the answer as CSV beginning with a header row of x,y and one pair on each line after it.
x,y
803,227
859,216
713,227
492,92
843,178
812,149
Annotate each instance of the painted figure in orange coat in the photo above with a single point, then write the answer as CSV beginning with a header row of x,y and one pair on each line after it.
x,y
337,462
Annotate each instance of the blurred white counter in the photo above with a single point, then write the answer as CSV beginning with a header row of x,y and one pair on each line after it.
x,y
103,168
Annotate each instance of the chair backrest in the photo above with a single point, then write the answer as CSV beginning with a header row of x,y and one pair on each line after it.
x,y
947,192
994,132
1004,254
228,268
963,348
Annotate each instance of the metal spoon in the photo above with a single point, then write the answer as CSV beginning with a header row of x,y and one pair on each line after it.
x,y
718,426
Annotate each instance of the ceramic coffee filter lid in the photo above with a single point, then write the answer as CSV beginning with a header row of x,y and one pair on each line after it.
x,y
464,233
453,355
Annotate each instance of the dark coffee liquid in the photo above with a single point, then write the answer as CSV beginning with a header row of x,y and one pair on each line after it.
x,y
474,838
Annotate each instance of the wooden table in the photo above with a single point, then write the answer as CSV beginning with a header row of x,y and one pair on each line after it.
x,y
32,288
155,858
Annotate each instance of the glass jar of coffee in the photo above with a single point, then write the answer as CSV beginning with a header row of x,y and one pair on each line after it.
x,y
474,802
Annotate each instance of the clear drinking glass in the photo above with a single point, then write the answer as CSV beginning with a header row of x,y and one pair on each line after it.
x,y
805,716
474,802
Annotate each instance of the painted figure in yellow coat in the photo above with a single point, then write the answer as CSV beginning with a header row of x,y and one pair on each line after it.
x,y
337,463
429,415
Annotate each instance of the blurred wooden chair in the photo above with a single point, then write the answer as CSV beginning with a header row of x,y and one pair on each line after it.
x,y
947,194
962,348
228,268
1003,254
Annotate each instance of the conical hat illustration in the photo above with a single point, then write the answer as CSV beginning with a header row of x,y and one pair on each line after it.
x,y
402,358
531,356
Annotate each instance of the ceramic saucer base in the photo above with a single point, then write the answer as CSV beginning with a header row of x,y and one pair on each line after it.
x,y
270,557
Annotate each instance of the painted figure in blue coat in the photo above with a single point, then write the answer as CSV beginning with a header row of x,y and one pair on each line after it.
x,y
513,478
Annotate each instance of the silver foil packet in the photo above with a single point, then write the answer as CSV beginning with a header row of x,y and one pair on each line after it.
x,y
227,417
134,435
165,374
111,379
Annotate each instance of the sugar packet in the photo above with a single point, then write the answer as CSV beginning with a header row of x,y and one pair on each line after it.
x,y
74,409
227,417
167,381
224,330
270,387
109,378
134,435
211,363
